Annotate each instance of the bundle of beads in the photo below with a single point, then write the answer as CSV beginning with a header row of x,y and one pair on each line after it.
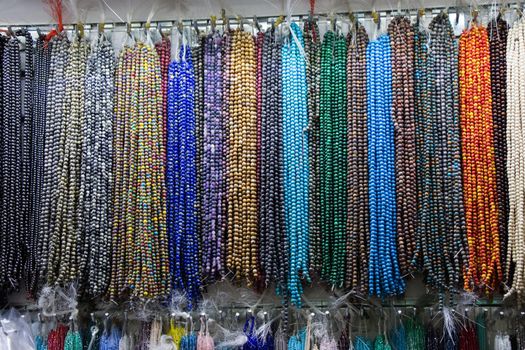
x,y
14,202
56,88
139,245
357,178
213,163
3,238
181,177
333,156
401,33
479,174
312,49
242,242
384,275
67,255
498,32
38,124
57,337
96,167
273,251
516,151
444,259
295,160
73,341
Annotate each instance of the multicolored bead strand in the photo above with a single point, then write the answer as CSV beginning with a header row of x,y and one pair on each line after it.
x,y
498,31
333,157
357,178
140,243
295,159
401,35
181,177
54,110
67,257
479,174
312,49
163,48
515,262
213,163
242,256
384,274
273,243
96,168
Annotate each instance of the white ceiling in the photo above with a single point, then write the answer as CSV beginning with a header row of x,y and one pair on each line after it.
x,y
35,11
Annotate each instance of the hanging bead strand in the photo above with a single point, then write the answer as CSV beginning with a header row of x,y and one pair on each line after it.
x,y
479,177
181,177
384,275
402,44
358,217
295,159
96,167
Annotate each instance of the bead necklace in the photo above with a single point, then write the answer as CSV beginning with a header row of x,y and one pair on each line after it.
x,y
56,338
41,73
312,46
384,275
181,176
498,31
54,110
213,162
66,255
273,253
140,245
402,43
241,160
15,163
515,170
295,159
358,218
333,156
96,171
481,210
440,214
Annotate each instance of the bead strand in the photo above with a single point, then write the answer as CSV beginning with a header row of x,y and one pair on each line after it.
x,y
96,167
295,159
41,76
213,162
54,109
498,32
402,44
479,181
384,275
358,218
181,177
67,256
241,160
273,252
515,170
312,46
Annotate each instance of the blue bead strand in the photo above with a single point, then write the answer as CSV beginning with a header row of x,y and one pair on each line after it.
x,y
181,177
295,157
384,275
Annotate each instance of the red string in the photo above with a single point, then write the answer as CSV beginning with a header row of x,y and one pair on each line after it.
x,y
312,6
55,9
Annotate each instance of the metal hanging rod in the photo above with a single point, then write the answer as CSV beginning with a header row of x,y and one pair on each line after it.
x,y
236,21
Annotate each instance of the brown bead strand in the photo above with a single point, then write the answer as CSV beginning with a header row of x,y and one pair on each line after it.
x,y
358,217
498,32
242,159
403,112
